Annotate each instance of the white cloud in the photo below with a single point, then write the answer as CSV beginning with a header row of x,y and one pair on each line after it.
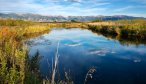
x,y
123,9
50,8
73,0
66,7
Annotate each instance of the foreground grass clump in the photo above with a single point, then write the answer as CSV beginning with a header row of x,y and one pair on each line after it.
x,y
12,51
12,57
123,28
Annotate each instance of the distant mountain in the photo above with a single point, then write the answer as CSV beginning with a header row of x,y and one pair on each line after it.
x,y
41,18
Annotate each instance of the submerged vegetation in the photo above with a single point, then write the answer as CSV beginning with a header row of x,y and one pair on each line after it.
x,y
17,68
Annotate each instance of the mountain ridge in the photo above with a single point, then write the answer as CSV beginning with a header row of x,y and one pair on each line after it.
x,y
59,18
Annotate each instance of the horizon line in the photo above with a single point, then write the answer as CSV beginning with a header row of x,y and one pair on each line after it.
x,y
70,15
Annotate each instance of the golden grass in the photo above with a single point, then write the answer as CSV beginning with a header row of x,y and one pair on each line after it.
x,y
124,28
102,23
12,52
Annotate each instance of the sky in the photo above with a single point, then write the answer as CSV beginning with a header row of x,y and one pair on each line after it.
x,y
75,7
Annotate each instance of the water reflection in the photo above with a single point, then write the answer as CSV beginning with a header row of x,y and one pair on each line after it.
x,y
73,44
99,52
80,49
124,40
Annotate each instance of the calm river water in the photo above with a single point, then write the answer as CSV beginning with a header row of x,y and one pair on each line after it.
x,y
80,50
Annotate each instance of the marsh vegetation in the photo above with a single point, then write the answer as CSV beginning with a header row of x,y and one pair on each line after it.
x,y
133,30
13,53
17,67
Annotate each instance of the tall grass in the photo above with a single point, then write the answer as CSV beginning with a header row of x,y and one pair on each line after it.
x,y
55,65
12,51
65,24
125,29
12,62
12,22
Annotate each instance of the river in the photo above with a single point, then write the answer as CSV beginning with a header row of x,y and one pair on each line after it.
x,y
81,50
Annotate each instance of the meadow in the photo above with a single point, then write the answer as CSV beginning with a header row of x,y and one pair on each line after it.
x,y
134,30
15,65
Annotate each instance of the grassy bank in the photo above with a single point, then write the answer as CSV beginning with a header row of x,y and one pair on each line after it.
x,y
15,65
13,54
128,29
65,24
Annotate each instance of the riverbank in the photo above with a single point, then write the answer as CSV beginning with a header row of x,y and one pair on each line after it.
x,y
126,29
13,54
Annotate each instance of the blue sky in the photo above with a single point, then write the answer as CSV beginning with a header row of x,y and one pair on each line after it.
x,y
75,7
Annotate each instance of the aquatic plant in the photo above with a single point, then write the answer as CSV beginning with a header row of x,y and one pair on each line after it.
x,y
55,65
89,74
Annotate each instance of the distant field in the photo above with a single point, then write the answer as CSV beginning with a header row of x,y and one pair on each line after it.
x,y
120,23
102,23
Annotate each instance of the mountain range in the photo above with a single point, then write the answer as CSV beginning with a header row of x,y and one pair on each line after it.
x,y
42,18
